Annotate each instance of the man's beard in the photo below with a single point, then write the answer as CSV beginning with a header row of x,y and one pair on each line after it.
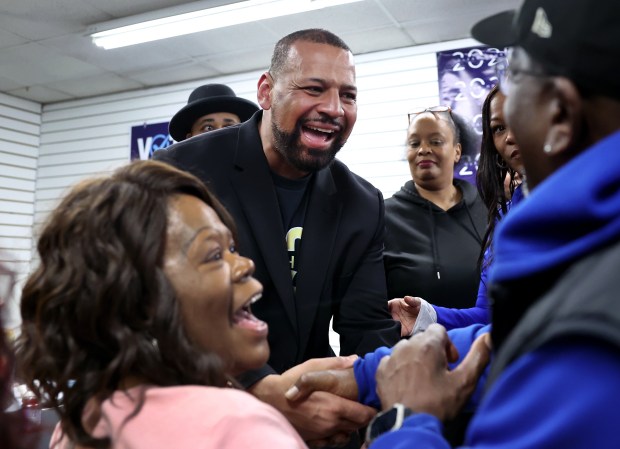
x,y
287,144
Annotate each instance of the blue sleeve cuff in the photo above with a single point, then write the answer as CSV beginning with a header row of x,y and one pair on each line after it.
x,y
365,369
424,421
462,338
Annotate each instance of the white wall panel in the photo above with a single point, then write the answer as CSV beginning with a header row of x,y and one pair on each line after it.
x,y
84,146
26,185
16,231
13,219
13,171
19,148
60,159
17,243
20,124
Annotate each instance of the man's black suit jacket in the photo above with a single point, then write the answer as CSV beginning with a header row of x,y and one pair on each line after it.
x,y
340,270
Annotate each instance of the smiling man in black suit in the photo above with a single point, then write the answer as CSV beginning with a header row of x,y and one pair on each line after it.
x,y
313,228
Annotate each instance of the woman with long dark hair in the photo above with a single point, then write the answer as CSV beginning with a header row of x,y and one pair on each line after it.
x,y
500,166
138,316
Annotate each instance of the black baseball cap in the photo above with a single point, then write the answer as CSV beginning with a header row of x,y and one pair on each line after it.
x,y
578,39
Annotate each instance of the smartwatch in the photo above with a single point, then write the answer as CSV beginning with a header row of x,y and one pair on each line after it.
x,y
387,421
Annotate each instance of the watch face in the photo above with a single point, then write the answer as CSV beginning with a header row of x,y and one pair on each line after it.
x,y
387,421
381,423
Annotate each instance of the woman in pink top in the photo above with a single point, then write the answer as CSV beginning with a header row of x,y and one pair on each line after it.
x,y
139,315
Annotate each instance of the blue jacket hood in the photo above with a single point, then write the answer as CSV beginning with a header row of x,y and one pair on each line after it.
x,y
572,213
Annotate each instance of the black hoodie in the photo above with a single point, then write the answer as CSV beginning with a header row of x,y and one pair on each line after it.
x,y
434,253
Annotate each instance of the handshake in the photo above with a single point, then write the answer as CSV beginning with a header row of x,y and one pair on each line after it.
x,y
328,399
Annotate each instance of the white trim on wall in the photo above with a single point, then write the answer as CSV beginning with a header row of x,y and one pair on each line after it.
x,y
20,125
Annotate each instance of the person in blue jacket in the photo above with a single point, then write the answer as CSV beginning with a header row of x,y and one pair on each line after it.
x,y
553,382
500,160
556,318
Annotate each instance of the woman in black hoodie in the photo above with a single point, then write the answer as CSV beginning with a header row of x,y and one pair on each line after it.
x,y
435,223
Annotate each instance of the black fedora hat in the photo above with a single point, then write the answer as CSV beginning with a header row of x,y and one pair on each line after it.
x,y
205,100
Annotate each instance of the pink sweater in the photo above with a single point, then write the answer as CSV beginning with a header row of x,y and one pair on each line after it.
x,y
192,417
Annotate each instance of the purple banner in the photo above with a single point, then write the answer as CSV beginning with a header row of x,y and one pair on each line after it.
x,y
466,75
146,139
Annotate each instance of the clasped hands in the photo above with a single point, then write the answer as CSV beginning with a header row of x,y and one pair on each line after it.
x,y
323,415
416,374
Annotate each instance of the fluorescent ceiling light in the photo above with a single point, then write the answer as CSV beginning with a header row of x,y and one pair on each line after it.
x,y
206,19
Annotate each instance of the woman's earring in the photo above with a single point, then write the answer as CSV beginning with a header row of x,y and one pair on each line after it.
x,y
155,344
547,148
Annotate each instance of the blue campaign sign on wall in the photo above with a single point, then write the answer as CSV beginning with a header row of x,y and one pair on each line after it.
x,y
466,75
146,139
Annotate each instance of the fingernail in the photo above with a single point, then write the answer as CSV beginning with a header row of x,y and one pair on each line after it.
x,y
291,393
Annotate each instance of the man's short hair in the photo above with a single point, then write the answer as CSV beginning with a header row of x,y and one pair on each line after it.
x,y
315,35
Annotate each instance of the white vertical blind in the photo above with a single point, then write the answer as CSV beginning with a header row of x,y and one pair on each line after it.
x,y
20,124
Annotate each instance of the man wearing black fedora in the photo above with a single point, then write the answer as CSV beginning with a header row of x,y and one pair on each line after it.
x,y
210,107
313,229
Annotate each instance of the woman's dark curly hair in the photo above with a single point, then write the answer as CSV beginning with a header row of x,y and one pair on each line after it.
x,y
99,308
492,170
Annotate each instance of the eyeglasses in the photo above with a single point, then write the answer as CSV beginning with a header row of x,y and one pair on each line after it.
x,y
433,110
505,75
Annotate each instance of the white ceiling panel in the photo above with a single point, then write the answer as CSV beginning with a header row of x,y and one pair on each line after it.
x,y
224,64
225,41
361,42
449,10
95,85
8,39
47,56
173,73
426,33
338,19
40,94
123,8
7,85
36,19
34,64
150,55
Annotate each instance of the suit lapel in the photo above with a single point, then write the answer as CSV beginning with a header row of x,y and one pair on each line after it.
x,y
255,191
317,242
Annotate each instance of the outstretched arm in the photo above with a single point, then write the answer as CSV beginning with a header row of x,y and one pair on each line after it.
x,y
360,381
417,374
480,313
561,395
320,417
